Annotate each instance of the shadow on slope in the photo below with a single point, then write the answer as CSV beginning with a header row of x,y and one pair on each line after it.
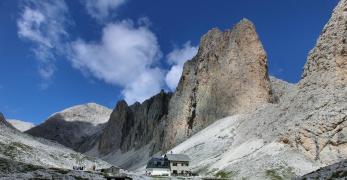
x,y
78,135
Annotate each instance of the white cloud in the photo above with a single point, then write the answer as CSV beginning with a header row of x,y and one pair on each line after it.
x,y
125,56
177,58
146,85
42,23
101,9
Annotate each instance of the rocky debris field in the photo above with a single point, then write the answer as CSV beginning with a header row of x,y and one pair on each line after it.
x,y
17,170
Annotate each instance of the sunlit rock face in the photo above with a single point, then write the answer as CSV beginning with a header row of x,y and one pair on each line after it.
x,y
228,76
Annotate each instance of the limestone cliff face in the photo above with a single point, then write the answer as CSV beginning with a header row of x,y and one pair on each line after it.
x,y
327,61
227,76
132,127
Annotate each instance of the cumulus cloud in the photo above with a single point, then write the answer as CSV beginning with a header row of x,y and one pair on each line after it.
x,y
42,23
177,58
125,56
101,9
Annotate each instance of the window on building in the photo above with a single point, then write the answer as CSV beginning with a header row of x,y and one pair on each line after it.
x,y
174,164
174,172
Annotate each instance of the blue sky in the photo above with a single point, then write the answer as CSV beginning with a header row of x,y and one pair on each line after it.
x,y
56,54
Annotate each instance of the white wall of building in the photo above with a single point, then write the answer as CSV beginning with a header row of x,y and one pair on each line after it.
x,y
158,171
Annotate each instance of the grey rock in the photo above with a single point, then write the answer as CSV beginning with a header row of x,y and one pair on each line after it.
x,y
132,127
280,89
78,127
10,170
334,171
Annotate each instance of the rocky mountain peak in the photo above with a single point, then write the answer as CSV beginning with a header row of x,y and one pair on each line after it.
x,y
227,76
243,32
328,60
77,127
90,113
